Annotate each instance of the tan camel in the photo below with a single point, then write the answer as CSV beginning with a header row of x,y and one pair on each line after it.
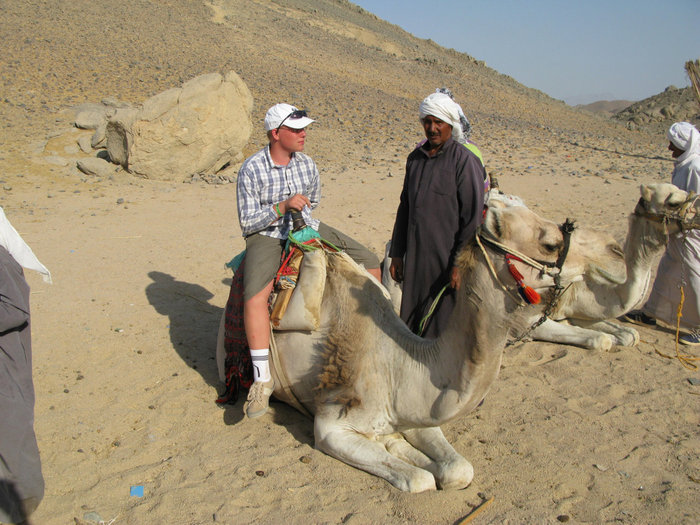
x,y
581,316
379,393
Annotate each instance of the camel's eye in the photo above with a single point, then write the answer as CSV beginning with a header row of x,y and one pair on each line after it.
x,y
616,250
551,248
672,203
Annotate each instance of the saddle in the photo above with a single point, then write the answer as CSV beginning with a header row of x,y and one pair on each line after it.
x,y
296,307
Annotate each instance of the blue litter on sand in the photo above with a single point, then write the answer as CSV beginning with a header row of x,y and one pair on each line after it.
x,y
137,490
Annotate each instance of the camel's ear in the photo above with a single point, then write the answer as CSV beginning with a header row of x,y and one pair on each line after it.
x,y
492,222
646,192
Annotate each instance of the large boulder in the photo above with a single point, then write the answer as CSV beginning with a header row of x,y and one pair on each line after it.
x,y
195,129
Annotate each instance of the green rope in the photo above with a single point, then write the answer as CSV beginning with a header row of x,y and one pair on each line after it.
x,y
309,234
421,326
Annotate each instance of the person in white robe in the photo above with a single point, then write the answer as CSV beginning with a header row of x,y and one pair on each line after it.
x,y
679,268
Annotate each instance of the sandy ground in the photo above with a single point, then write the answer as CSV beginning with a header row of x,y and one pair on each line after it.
x,y
126,379
124,339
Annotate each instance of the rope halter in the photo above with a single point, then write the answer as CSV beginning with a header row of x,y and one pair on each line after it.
x,y
685,216
527,294
544,267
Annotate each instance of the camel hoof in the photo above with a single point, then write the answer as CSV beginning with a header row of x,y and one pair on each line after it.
x,y
456,476
635,339
422,481
602,343
628,338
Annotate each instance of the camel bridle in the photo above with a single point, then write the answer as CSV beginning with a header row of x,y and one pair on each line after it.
x,y
545,268
685,216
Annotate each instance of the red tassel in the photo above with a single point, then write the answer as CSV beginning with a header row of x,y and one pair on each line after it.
x,y
531,296
515,273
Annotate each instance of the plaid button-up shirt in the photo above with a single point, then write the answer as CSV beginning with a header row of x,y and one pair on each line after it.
x,y
262,184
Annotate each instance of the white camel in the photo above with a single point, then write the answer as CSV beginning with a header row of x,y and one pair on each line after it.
x,y
582,315
379,393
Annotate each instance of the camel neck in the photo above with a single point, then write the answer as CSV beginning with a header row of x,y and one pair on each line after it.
x,y
466,353
645,240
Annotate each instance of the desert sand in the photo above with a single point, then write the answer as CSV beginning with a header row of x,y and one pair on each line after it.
x,y
124,338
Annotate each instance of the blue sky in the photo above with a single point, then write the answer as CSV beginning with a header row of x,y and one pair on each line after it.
x,y
576,51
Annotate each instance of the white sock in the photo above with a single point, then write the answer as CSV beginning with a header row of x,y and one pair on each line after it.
x,y
261,365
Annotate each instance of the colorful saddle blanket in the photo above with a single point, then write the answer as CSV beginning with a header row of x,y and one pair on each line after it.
x,y
237,365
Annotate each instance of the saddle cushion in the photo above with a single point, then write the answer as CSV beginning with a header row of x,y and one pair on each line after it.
x,y
304,309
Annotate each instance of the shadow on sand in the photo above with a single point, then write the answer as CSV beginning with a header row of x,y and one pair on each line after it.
x,y
194,325
194,322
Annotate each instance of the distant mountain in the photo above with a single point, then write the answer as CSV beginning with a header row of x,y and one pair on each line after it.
x,y
657,113
606,107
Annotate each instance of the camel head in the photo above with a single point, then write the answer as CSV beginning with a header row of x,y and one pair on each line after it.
x,y
525,232
605,262
672,208
662,196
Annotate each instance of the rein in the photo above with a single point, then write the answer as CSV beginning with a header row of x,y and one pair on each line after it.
x,y
545,268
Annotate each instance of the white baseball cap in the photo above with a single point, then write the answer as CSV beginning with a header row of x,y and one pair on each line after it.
x,y
288,115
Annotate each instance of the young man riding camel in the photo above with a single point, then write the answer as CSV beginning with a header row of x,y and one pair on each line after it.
x,y
271,183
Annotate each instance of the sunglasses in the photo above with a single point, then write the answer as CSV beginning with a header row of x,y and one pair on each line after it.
x,y
297,113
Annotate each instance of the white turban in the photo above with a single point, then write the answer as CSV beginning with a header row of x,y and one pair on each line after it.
x,y
441,105
686,137
20,251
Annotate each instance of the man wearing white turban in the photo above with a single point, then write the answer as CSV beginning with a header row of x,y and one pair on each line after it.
x,y
21,480
442,105
680,264
440,209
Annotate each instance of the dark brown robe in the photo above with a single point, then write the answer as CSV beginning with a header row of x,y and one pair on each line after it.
x,y
441,208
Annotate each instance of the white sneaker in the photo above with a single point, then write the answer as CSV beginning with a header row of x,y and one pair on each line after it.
x,y
259,398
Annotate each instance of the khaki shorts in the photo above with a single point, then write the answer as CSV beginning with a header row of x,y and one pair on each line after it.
x,y
263,254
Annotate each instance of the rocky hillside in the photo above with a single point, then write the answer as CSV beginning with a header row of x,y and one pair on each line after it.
x,y
606,107
657,113
360,77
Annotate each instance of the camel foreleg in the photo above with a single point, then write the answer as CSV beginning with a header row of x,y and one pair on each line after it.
x,y
355,449
623,335
450,469
559,332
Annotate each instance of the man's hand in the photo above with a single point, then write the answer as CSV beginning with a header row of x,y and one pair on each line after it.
x,y
455,278
396,269
295,202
